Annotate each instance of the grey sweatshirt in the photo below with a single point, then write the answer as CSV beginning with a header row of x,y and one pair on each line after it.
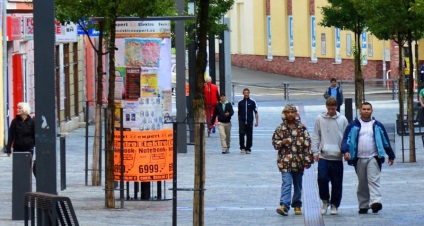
x,y
327,137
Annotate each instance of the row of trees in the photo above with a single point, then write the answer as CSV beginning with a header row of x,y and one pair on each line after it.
x,y
209,14
397,20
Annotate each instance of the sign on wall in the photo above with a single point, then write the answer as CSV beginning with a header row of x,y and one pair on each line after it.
x,y
291,40
338,58
364,45
314,57
269,55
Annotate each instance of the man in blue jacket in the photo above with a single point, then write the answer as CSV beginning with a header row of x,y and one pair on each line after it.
x,y
246,110
365,143
336,92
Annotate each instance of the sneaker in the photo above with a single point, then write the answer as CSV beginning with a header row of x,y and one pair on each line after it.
x,y
247,151
324,207
227,151
283,211
242,151
376,207
213,129
297,211
333,210
363,211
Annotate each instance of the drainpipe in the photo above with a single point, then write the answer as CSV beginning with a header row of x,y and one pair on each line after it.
x,y
5,80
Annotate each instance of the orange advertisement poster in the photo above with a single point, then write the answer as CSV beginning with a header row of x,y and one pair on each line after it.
x,y
148,155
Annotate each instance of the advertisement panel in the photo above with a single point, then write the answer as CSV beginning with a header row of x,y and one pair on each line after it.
x,y
143,62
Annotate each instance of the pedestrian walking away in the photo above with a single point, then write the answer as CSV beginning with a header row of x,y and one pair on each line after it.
x,y
335,92
365,144
247,109
224,111
291,140
211,99
326,144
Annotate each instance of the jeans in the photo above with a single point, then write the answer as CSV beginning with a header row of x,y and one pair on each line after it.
x,y
288,179
245,130
330,171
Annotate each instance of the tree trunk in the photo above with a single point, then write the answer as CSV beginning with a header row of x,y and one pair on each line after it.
x,y
358,72
95,166
199,116
110,203
411,102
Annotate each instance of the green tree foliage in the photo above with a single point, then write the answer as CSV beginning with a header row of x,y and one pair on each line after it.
x,y
344,15
108,12
401,21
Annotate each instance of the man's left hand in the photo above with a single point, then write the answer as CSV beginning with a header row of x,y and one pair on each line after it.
x,y
390,162
256,124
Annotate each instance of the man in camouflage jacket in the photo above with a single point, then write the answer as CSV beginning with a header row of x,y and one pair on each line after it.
x,y
293,143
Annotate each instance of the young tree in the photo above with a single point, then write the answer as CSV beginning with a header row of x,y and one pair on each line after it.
x,y
342,14
110,10
399,21
210,13
75,11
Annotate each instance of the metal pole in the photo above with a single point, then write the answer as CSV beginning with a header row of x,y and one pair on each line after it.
x,y
45,102
201,169
180,87
221,64
174,176
106,125
86,143
100,149
121,153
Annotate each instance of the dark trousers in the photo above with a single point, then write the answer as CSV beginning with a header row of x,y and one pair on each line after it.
x,y
245,130
330,171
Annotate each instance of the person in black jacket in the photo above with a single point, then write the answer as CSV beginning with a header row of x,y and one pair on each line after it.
x,y
224,111
21,131
246,110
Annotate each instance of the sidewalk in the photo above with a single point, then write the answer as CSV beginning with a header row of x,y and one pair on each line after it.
x,y
242,189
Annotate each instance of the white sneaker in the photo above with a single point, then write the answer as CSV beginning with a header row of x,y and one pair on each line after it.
x,y
333,210
242,151
324,207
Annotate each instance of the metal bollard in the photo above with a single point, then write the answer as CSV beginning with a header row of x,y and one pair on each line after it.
x,y
21,182
62,162
348,109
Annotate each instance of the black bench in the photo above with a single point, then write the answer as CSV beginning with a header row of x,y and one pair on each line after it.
x,y
51,210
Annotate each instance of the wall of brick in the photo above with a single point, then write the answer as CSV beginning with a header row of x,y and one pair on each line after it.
x,y
324,69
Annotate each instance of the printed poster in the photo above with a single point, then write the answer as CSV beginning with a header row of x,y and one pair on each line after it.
x,y
132,84
149,84
148,156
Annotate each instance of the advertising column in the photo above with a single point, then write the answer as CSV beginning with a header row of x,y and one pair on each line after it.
x,y
143,62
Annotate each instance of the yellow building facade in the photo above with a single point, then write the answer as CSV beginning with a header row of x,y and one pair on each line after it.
x,y
284,37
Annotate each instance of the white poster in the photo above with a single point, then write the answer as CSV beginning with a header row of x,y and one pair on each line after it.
x,y
348,45
269,55
291,40
313,40
364,48
338,58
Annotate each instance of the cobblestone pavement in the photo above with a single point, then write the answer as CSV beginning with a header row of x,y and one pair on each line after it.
x,y
244,189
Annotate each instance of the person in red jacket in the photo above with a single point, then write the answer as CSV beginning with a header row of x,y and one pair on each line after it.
x,y
211,99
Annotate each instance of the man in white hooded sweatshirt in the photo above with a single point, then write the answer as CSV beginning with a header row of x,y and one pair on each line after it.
x,y
326,142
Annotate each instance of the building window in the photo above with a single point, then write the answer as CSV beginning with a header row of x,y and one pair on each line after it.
x,y
370,46
348,45
323,44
